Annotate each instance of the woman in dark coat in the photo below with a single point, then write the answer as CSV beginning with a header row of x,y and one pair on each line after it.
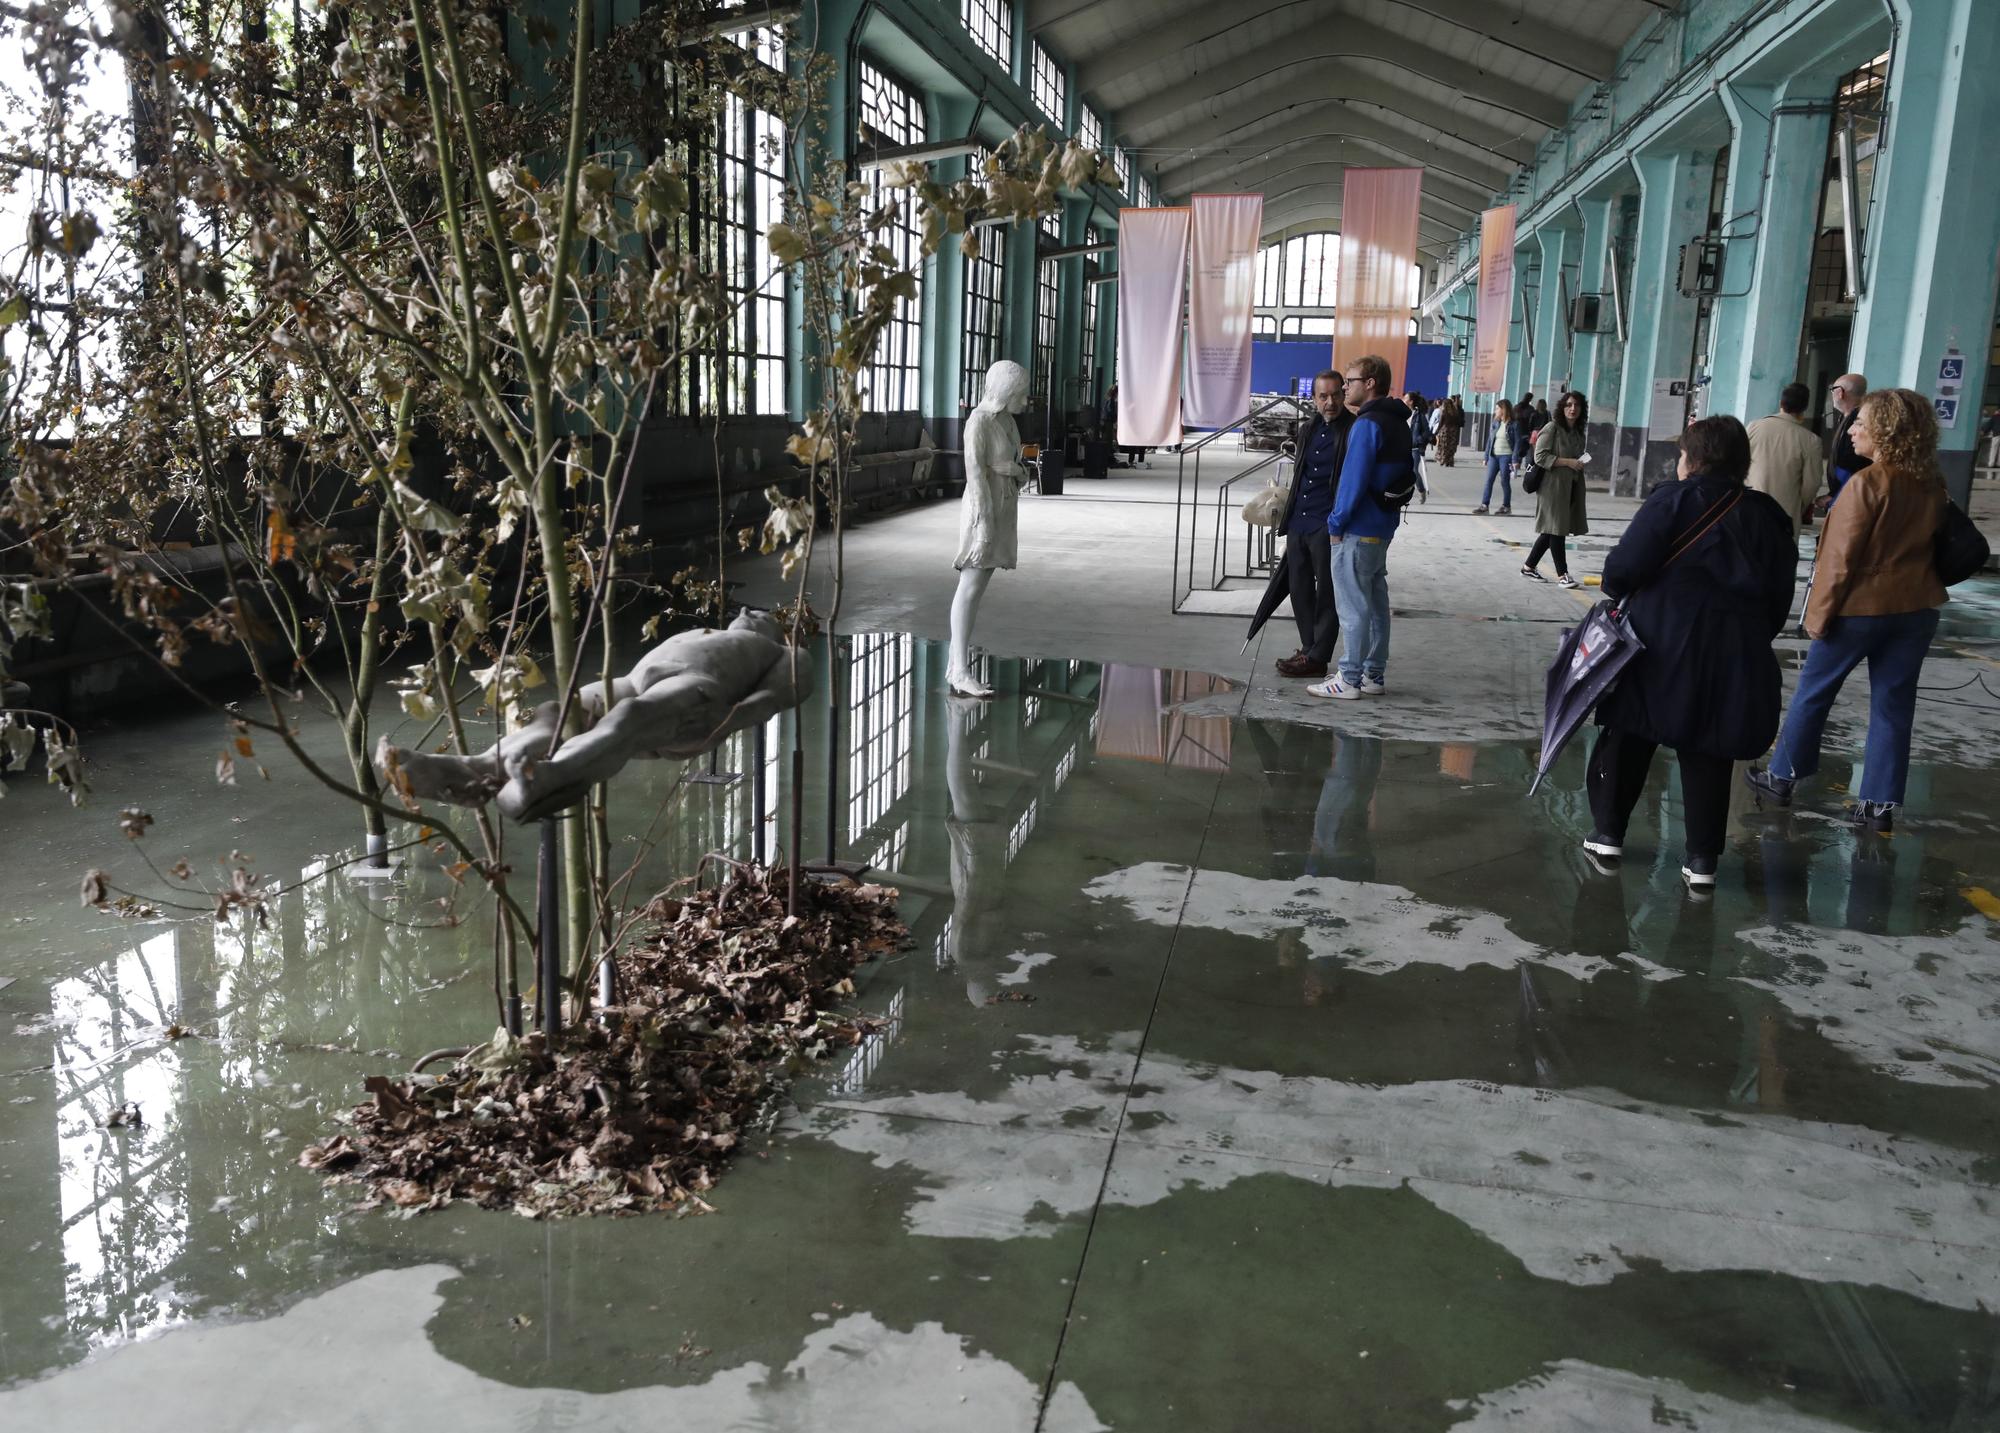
x,y
1705,573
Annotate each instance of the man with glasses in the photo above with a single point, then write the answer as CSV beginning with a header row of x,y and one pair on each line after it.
x,y
1377,461
1321,443
1847,392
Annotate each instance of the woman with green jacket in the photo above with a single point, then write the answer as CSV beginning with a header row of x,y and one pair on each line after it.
x,y
1559,506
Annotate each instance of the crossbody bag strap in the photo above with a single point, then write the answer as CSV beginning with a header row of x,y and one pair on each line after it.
x,y
1706,521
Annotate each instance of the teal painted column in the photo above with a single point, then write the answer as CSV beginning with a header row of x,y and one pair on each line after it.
x,y
1776,156
1526,256
1592,244
823,29
1673,208
1933,257
1553,354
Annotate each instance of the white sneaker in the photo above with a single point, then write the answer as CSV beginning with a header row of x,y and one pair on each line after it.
x,y
1334,687
1567,581
1373,686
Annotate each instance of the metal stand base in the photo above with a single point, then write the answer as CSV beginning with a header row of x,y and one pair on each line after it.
x,y
376,866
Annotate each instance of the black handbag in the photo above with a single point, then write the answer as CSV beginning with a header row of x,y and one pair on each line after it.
x,y
1531,476
1960,550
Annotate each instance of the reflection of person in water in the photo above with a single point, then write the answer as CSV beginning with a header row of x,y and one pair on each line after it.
x,y
977,831
1342,843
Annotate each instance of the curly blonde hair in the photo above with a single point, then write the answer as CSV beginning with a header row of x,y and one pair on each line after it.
x,y
1904,427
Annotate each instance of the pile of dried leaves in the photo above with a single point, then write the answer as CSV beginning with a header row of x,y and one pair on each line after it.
x,y
640,1112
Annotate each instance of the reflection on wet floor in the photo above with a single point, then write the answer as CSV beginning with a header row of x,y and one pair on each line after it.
x,y
1239,1071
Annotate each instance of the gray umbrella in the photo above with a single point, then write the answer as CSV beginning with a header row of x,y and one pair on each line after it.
x,y
1592,655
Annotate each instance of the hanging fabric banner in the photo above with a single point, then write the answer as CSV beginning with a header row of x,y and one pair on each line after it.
x,y
1152,287
1221,286
1496,299
1378,247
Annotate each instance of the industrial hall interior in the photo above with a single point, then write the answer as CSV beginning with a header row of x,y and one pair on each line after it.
x,y
1020,716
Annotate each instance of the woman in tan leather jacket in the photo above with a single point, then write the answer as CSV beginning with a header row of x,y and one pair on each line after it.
x,y
1875,595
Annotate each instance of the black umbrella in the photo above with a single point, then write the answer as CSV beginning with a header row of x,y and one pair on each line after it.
x,y
1275,591
1592,655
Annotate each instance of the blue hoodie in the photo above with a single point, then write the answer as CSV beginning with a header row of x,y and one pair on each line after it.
x,y
1378,452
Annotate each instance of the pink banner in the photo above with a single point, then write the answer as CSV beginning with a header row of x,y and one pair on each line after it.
x,y
1152,287
1221,288
1496,299
1378,246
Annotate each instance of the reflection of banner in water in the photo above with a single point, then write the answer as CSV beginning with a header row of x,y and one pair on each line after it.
x,y
1152,287
1139,718
1220,289
1456,760
1496,299
1378,246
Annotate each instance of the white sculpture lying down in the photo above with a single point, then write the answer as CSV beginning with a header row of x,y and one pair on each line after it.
x,y
680,700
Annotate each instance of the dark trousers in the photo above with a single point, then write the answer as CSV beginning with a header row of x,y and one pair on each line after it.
x,y
1550,543
1309,572
1619,764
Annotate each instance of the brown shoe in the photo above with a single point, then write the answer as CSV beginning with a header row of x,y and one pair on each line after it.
x,y
1301,666
1298,655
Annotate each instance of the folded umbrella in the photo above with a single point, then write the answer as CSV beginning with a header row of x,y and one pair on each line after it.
x,y
1275,591
1587,663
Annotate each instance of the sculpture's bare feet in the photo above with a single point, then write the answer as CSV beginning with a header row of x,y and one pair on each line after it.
x,y
525,799
963,684
458,780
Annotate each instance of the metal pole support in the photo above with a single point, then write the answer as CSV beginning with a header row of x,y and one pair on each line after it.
x,y
548,950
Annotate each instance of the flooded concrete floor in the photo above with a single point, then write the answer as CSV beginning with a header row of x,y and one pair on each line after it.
x,y
1242,1074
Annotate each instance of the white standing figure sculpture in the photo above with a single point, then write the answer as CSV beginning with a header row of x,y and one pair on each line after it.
x,y
988,515
679,700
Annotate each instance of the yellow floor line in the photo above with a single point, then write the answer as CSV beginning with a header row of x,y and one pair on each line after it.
x,y
1983,901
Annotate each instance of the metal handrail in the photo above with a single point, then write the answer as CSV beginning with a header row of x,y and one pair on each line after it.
x,y
1201,443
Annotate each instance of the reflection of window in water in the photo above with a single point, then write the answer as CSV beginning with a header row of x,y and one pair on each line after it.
x,y
853,1077
881,705
941,951
124,1192
1065,766
889,855
1024,826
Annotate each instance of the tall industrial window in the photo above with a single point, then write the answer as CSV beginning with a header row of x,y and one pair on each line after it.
x,y
881,707
1269,261
1088,128
1048,295
1308,326
1312,270
1090,334
1121,165
1052,225
1046,82
893,113
991,25
744,183
985,306
1264,325
1147,198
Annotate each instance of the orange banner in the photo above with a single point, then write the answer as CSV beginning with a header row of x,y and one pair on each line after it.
x,y
1496,299
1378,247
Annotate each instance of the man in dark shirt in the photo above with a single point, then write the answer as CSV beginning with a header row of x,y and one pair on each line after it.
x,y
1322,445
1843,463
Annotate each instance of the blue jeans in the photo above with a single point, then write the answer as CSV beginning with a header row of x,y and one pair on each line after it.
x,y
1894,649
1501,466
1361,592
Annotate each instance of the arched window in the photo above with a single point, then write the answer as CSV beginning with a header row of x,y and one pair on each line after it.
x,y
1268,259
1312,270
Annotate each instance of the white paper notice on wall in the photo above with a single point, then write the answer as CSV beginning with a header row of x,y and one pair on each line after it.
x,y
1670,405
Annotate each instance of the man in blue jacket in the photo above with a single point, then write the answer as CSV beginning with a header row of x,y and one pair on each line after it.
x,y
1361,526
